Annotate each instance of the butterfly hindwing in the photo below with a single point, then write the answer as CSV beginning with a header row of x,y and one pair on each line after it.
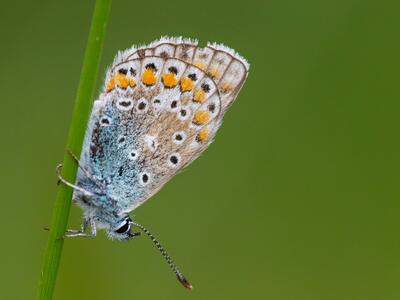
x,y
160,108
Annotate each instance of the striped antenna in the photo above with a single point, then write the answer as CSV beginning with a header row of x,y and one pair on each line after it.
x,y
168,258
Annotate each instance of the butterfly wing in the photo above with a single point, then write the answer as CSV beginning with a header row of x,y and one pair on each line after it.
x,y
160,109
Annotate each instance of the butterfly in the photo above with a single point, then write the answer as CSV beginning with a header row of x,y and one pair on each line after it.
x,y
159,109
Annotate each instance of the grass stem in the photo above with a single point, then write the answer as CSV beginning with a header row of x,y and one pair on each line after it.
x,y
77,129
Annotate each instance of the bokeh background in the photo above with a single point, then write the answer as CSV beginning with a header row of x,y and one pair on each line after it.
x,y
302,183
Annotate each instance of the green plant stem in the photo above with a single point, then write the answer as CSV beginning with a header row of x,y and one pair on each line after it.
x,y
78,125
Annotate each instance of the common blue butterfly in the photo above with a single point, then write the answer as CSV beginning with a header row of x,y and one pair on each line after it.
x,y
159,109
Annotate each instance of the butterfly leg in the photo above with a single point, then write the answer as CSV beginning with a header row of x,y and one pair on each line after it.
x,y
86,172
82,232
84,226
73,186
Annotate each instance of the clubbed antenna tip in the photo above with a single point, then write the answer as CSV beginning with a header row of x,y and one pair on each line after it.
x,y
168,258
184,282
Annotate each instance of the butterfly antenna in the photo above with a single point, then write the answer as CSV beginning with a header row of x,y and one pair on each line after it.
x,y
168,258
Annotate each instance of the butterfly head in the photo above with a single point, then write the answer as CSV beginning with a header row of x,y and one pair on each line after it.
x,y
121,230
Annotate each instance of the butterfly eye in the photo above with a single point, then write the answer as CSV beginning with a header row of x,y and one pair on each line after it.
x,y
124,228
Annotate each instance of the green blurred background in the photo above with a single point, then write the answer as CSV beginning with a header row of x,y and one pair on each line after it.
x,y
302,198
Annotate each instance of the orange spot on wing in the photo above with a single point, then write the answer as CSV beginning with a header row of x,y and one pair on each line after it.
x,y
199,96
201,117
110,84
200,65
186,84
121,80
214,73
169,80
132,82
148,77
226,87
202,135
